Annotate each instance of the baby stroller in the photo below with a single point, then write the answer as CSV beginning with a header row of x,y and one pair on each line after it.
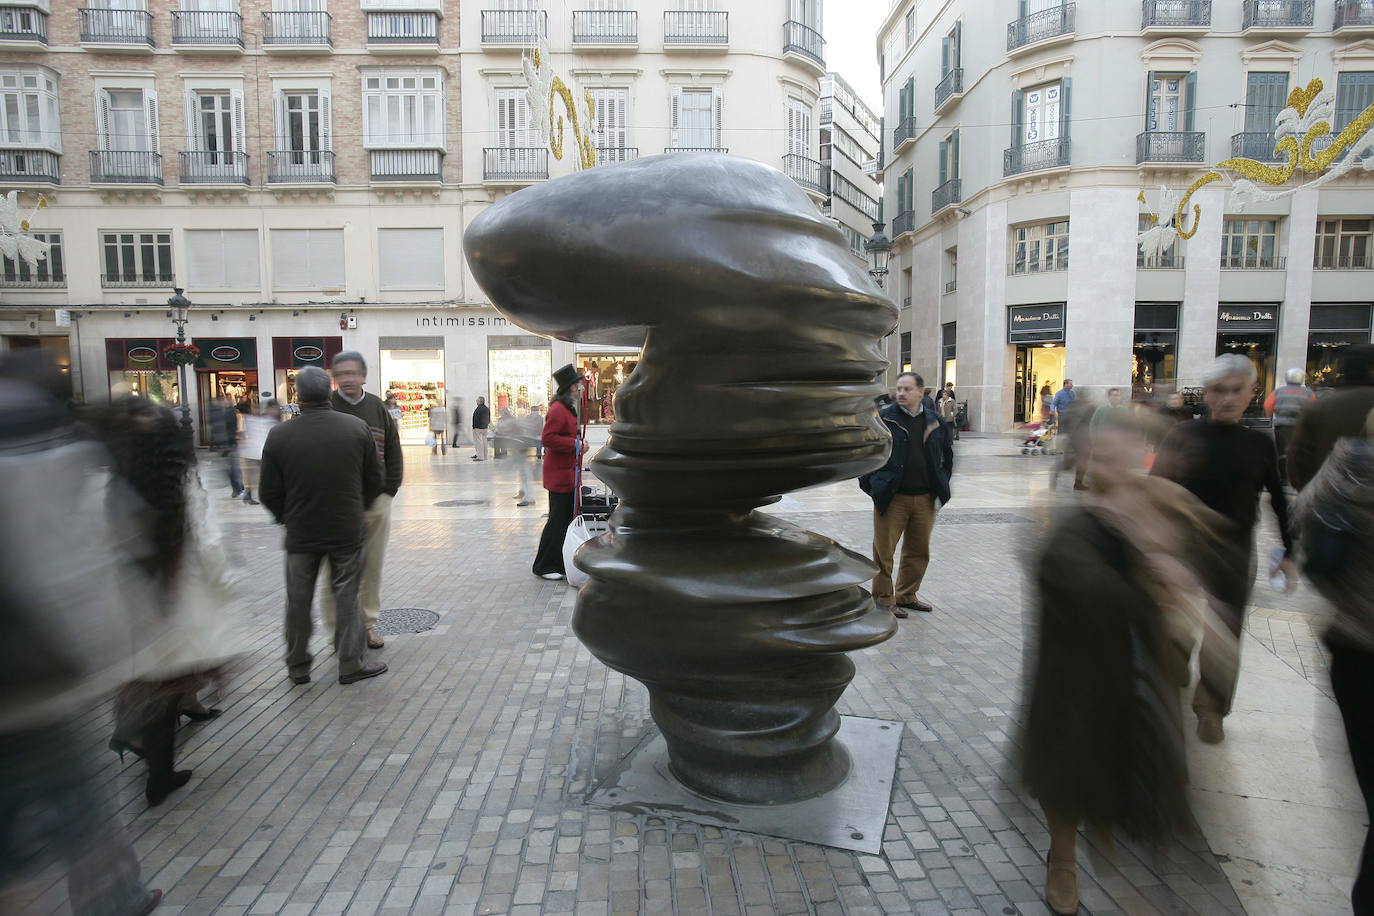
x,y
1040,439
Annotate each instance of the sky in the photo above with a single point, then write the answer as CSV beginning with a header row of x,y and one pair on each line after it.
x,y
851,33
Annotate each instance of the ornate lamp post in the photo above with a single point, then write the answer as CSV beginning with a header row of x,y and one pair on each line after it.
x,y
180,314
879,249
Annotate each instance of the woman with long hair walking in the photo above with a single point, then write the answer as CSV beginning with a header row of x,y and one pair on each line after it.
x,y
563,451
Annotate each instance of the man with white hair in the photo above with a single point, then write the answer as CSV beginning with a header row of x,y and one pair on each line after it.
x,y
1227,466
1285,404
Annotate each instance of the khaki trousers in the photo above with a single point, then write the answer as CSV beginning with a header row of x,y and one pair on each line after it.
x,y
909,518
479,443
376,531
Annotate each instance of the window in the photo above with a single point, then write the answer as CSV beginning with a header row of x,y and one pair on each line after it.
x,y
403,109
1170,105
136,258
892,51
906,193
807,12
302,123
1354,93
906,105
951,269
1249,243
952,49
904,357
1344,243
28,108
1266,94
127,119
1040,247
216,119
411,258
856,240
307,259
798,128
909,28
1040,114
848,146
513,129
949,158
612,121
50,271
1168,258
222,259
696,119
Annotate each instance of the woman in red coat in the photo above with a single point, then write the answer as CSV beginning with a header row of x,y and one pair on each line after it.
x,y
562,452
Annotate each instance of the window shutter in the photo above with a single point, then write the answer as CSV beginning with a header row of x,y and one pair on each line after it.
x,y
205,259
236,103
716,105
958,44
280,133
102,118
954,155
326,257
1065,118
945,65
290,259
193,138
154,134
240,252
901,191
411,258
1190,101
944,152
910,111
1018,108
1151,112
675,138
326,123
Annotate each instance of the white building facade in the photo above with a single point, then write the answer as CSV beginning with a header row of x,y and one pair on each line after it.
x,y
1019,134
305,170
850,140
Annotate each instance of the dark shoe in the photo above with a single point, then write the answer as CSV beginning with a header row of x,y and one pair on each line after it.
x,y
159,788
119,746
1080,486
915,605
374,639
372,669
154,899
1209,730
525,502
300,678
899,611
202,716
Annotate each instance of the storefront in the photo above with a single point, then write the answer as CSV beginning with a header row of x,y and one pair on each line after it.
x,y
1251,329
55,350
227,368
1037,332
520,369
412,369
1154,350
1331,328
137,366
292,354
605,369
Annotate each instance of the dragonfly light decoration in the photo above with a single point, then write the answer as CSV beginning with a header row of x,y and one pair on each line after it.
x,y
543,89
1297,129
15,243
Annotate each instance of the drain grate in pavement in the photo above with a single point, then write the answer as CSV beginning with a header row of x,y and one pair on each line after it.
x,y
396,620
455,503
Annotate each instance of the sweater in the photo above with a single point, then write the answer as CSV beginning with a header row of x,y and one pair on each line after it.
x,y
320,472
384,431
915,477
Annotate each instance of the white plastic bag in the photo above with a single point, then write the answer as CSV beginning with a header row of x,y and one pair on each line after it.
x,y
430,440
579,533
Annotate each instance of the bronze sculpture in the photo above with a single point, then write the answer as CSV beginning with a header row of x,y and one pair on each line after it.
x,y
760,334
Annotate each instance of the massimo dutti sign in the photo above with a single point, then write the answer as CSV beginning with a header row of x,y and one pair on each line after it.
x,y
1245,316
1041,323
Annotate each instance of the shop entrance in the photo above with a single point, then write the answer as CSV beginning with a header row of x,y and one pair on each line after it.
x,y
416,378
292,354
605,372
228,368
1252,331
1039,372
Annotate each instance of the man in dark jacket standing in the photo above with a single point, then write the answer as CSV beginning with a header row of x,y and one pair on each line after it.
x,y
320,472
906,493
481,420
1341,413
349,370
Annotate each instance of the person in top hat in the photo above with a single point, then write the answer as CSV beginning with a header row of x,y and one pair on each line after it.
x,y
562,451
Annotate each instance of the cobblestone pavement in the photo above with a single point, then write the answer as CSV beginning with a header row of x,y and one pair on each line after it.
x,y
454,784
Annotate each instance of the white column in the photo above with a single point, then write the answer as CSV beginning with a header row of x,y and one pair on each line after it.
x,y
1100,316
1296,312
985,359
1197,322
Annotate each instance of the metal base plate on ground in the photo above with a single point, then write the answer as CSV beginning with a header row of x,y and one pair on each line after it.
x,y
851,816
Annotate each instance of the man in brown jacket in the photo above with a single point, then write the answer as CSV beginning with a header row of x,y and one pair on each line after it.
x,y
1341,413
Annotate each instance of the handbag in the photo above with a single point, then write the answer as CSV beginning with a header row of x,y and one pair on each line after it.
x,y
430,440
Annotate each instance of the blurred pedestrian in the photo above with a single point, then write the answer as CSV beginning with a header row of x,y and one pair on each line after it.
x,y
516,439
349,371
1046,403
565,450
248,455
1059,404
1286,404
1074,416
320,473
1175,409
1340,413
458,413
537,426
1113,410
1227,466
947,405
438,427
223,430
906,493
256,426
481,421
393,407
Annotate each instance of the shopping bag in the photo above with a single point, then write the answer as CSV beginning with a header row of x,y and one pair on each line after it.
x,y
430,440
579,532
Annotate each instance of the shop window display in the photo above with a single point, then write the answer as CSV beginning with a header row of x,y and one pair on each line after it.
x,y
604,374
416,379
519,378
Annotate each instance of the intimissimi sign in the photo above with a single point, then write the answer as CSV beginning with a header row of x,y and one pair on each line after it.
x,y
461,321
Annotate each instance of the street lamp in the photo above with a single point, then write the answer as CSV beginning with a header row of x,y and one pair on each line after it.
x,y
879,249
181,313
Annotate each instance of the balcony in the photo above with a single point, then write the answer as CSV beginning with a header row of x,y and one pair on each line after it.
x,y
199,167
23,26
605,28
802,40
125,167
297,31
851,194
117,29
695,29
1171,17
946,195
1033,157
1253,260
400,33
1166,146
1257,145
696,149
1332,262
422,165
1165,260
903,223
609,155
951,86
17,275
300,166
902,134
807,172
1354,16
951,286
134,279
1278,16
29,166
514,28
515,165
1043,27
206,31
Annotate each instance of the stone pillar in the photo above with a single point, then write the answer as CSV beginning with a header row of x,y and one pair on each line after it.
x,y
1197,323
1100,316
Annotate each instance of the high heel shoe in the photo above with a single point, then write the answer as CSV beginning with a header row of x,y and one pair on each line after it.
x,y
159,787
159,748
201,716
119,746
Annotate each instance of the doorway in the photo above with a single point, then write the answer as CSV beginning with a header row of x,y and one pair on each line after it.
x,y
1038,367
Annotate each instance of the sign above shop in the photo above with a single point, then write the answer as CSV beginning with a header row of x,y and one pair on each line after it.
x,y
463,321
137,354
1042,323
1346,316
227,353
1246,317
300,352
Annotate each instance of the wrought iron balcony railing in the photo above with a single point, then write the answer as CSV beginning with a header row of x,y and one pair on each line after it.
x,y
1257,145
126,166
1175,14
407,164
1032,157
514,27
1168,259
1275,14
137,279
19,165
311,28
903,222
806,172
403,28
904,131
804,40
1047,23
1354,14
853,195
199,167
117,26
506,163
23,23
1348,262
605,27
696,149
1253,260
696,27
951,286
295,165
952,83
1170,146
201,27
946,195
608,155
